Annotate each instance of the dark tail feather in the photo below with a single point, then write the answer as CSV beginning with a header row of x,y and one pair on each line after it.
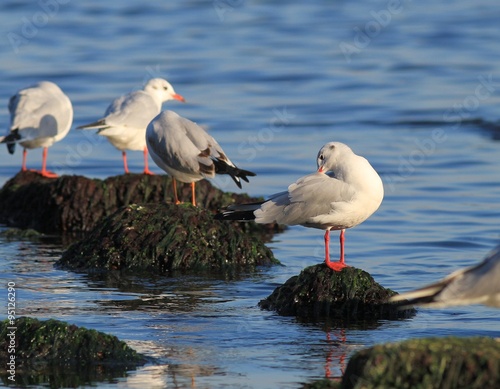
x,y
91,126
222,167
241,212
11,140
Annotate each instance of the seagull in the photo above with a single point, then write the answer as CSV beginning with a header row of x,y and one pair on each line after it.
x,y
479,284
125,121
187,153
40,115
342,193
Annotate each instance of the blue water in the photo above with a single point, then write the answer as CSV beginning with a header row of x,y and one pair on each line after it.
x,y
412,86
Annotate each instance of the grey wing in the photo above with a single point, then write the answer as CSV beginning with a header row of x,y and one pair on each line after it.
x,y
134,110
209,148
310,198
167,138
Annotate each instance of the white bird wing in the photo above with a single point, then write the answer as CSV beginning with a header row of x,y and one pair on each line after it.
x,y
32,112
134,110
131,111
310,200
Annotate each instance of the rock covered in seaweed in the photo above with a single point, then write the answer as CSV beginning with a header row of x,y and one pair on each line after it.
x,y
443,363
319,292
163,237
77,203
62,354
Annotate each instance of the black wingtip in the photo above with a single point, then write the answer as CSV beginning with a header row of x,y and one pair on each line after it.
x,y
235,215
221,167
11,140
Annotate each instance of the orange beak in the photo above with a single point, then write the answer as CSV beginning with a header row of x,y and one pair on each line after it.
x,y
179,97
321,170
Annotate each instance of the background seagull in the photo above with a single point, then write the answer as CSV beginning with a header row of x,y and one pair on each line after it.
x,y
125,121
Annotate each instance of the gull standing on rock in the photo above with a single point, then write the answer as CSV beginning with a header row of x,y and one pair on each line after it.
x,y
125,121
187,153
40,115
478,284
343,193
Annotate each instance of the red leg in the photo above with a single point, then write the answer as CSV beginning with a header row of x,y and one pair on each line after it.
x,y
124,155
146,167
193,193
44,172
340,264
23,167
176,199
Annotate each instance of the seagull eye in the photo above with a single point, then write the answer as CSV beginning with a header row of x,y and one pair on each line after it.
x,y
165,88
321,157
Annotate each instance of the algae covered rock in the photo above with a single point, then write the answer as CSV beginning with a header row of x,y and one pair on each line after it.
x,y
56,354
77,203
57,342
163,237
443,363
319,292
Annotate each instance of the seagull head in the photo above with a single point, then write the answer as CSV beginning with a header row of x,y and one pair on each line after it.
x,y
331,156
163,89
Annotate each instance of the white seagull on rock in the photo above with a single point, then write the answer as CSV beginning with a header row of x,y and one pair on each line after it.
x,y
343,193
478,284
40,115
125,121
187,152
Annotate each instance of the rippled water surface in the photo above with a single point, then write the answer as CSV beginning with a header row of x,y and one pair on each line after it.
x,y
413,88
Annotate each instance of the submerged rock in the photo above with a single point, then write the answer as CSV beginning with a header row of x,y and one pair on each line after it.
x,y
60,353
164,237
443,363
77,203
319,292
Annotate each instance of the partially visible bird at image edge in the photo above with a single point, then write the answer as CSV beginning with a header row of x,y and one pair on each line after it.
x,y
40,115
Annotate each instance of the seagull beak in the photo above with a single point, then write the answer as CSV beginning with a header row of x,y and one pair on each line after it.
x,y
179,97
321,169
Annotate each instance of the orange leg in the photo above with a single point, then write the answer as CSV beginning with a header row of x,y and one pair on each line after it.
x,y
23,167
340,264
146,167
193,193
176,199
44,172
124,155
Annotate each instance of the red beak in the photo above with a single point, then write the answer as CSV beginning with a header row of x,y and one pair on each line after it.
x,y
179,97
320,169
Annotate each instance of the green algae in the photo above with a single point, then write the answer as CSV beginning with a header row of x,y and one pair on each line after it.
x,y
348,296
444,363
160,238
